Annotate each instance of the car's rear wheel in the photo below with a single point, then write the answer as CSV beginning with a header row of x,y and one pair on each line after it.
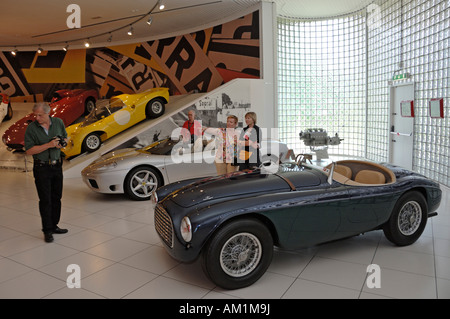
x,y
141,182
155,108
408,219
89,106
92,142
238,254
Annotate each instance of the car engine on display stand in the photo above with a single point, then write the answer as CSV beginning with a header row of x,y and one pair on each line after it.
x,y
318,141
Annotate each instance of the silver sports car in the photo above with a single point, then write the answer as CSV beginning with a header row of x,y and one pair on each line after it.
x,y
137,172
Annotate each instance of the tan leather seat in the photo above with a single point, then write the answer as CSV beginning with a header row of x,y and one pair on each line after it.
x,y
370,177
343,170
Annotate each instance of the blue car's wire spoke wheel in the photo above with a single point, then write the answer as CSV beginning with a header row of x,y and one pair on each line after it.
x,y
408,219
238,253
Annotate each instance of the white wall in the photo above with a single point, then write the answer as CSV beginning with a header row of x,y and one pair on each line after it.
x,y
268,115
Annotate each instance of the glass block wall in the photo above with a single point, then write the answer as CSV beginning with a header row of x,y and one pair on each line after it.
x,y
321,81
415,33
334,74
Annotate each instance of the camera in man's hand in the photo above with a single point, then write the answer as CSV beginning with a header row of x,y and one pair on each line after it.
x,y
61,141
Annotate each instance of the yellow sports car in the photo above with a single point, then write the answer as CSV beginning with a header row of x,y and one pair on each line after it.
x,y
113,116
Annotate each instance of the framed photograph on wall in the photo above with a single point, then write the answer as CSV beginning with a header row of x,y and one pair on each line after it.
x,y
407,108
436,107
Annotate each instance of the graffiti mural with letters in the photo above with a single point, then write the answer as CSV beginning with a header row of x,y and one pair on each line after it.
x,y
195,62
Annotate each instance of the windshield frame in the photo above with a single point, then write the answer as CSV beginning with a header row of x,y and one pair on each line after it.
x,y
103,109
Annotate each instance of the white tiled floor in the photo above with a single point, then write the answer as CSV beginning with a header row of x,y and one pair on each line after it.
x,y
113,241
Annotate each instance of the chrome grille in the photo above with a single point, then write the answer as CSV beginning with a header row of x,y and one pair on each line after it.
x,y
163,225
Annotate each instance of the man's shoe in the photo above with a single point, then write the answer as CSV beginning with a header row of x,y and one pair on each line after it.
x,y
58,230
48,237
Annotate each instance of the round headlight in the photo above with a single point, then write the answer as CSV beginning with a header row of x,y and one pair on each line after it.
x,y
186,229
109,165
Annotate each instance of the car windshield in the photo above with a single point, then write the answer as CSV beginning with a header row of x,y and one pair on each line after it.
x,y
56,97
163,147
103,109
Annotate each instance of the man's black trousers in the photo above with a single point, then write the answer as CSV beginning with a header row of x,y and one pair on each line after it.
x,y
49,185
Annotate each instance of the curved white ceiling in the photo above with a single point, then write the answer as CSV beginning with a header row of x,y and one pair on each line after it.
x,y
28,24
319,9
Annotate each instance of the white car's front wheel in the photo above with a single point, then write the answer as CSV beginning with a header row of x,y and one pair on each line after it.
x,y
141,182
6,112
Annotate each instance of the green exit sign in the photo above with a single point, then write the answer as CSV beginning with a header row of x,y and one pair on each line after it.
x,y
401,76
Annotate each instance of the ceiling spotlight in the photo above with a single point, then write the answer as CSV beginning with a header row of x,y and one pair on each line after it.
x,y
14,52
161,5
66,47
87,44
39,50
130,32
150,20
109,38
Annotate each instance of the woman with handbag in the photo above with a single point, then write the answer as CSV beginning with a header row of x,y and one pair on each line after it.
x,y
226,146
250,143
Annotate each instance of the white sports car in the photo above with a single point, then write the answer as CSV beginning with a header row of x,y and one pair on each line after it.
x,y
5,108
137,172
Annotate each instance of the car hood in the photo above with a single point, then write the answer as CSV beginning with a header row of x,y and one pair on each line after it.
x,y
117,157
15,134
240,184
124,152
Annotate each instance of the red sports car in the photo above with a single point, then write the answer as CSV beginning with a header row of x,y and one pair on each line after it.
x,y
68,105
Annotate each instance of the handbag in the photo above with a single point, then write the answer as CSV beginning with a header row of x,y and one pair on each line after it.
x,y
244,155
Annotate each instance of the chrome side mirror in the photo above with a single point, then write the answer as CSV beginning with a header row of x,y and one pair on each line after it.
x,y
330,175
269,167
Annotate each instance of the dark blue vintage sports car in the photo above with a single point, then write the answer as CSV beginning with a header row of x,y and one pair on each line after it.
x,y
233,221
